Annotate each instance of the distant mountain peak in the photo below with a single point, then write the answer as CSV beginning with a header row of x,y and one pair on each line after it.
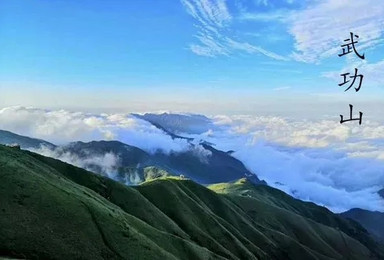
x,y
8,138
381,193
177,124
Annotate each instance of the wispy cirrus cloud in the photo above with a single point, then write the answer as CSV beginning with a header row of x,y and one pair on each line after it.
x,y
269,2
319,29
213,20
249,48
373,72
282,88
212,12
276,15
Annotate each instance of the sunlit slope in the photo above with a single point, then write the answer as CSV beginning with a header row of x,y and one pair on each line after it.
x,y
304,221
52,210
277,232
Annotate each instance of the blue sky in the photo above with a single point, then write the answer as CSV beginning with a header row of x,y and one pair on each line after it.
x,y
191,55
265,71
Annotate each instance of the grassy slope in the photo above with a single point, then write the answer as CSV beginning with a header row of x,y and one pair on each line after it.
x,y
373,221
275,231
50,209
279,209
45,215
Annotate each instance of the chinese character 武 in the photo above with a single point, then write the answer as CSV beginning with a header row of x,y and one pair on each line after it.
x,y
350,45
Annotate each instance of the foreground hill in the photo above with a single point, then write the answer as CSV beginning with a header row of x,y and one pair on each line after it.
x,y
53,210
46,215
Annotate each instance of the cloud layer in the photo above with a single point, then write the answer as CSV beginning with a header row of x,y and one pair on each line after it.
x,y
338,166
107,164
62,126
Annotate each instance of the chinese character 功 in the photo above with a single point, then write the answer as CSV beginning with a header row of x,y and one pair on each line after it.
x,y
345,81
348,47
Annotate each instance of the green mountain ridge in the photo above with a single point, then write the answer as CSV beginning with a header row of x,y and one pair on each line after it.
x,y
381,193
53,210
7,137
219,166
373,221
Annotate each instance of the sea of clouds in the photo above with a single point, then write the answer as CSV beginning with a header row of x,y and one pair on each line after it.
x,y
338,166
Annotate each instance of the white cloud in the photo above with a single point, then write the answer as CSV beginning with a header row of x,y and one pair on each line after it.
x,y
323,176
373,73
108,162
277,15
269,2
208,12
209,46
291,133
303,133
282,88
320,29
61,126
213,20
338,166
249,48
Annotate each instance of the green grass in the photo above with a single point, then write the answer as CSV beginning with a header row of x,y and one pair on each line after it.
x,y
274,208
46,215
53,210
